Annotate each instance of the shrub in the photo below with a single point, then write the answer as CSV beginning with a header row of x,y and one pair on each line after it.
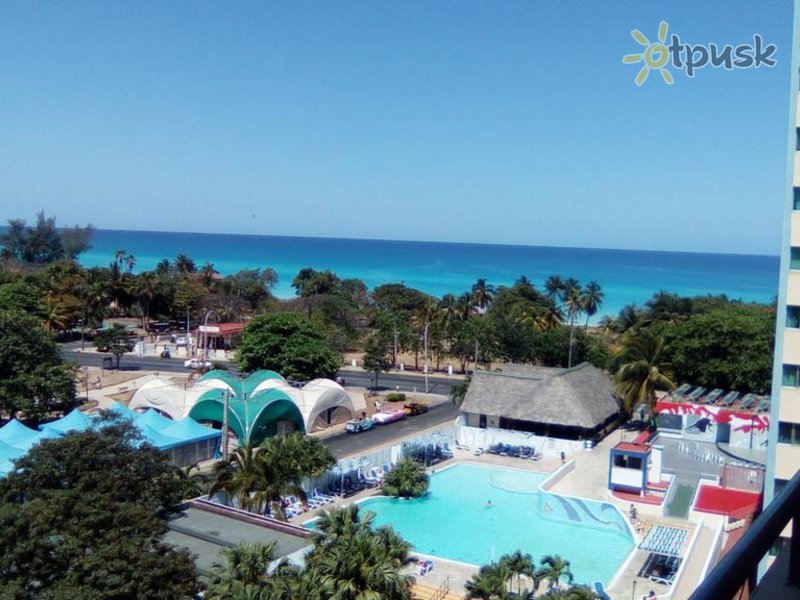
x,y
395,397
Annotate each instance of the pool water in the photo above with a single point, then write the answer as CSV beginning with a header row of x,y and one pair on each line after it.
x,y
454,522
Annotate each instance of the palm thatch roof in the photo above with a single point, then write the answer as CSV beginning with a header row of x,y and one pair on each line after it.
x,y
582,396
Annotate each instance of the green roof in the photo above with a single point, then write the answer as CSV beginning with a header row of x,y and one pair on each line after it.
x,y
239,385
252,416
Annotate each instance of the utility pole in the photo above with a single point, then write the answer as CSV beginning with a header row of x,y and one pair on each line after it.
x,y
225,425
426,356
476,355
394,356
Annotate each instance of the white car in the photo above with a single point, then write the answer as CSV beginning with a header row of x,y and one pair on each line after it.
x,y
197,363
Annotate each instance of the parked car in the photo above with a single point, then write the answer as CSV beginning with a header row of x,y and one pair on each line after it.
x,y
197,363
359,425
388,416
415,408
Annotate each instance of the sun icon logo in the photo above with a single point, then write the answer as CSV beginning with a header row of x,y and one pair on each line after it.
x,y
655,55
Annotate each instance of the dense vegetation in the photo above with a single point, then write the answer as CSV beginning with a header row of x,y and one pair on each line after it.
x,y
515,576
256,478
350,560
288,344
80,519
708,341
407,479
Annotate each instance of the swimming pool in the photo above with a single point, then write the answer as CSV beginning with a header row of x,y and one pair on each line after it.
x,y
454,522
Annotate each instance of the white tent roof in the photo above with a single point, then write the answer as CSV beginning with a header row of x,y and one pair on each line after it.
x,y
313,399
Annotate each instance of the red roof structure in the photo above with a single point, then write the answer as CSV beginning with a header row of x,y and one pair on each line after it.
x,y
632,448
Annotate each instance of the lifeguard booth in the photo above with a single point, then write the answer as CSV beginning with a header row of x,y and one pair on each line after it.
x,y
634,468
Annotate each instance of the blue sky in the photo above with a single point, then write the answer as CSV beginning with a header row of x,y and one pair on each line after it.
x,y
498,122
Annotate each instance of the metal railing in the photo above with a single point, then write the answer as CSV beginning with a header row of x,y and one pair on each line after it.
x,y
739,568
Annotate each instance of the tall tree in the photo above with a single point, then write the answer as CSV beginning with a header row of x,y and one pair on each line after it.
x,y
33,378
376,359
289,344
641,369
80,518
482,294
555,569
591,299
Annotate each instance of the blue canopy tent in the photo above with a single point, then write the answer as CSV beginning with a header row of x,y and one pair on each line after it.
x,y
74,421
153,418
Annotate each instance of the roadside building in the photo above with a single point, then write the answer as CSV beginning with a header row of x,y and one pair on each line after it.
x,y
576,403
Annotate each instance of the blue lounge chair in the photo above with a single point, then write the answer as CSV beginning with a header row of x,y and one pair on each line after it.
x,y
601,593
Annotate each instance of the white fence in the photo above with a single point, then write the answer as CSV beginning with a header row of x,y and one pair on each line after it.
x,y
476,437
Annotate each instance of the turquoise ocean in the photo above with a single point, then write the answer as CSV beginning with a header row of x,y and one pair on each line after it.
x,y
627,276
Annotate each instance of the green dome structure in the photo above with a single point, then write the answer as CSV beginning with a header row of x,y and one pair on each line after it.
x,y
260,405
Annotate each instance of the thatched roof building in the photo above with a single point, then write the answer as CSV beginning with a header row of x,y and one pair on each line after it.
x,y
568,403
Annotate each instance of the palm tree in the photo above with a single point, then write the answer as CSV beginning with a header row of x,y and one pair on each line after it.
x,y
407,479
592,300
489,583
555,287
629,318
184,264
55,313
338,522
482,294
353,562
533,316
581,592
554,569
573,306
208,273
640,369
144,288
518,564
459,391
244,572
243,479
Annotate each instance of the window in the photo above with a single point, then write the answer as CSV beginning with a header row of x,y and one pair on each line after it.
x,y
794,259
789,433
798,138
793,316
791,375
796,203
627,462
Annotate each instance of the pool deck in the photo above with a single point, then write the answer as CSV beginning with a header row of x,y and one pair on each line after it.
x,y
588,479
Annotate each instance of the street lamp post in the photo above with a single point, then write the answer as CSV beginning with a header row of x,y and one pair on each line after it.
x,y
426,355
205,334
226,407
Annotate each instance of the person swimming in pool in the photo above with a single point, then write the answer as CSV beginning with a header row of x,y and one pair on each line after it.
x,y
489,504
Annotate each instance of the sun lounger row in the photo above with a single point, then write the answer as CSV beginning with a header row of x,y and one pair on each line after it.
x,y
430,455
293,506
664,540
528,452
711,397
659,568
719,397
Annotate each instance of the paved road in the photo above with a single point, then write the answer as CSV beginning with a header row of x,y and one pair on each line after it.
x,y
344,444
406,383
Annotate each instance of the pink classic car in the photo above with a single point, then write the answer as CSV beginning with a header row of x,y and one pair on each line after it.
x,y
388,416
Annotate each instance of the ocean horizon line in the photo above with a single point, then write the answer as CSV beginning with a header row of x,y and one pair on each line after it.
x,y
441,242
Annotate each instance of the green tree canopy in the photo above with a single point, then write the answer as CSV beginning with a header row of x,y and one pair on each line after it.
x,y
33,378
115,340
407,479
43,242
79,519
288,344
728,346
